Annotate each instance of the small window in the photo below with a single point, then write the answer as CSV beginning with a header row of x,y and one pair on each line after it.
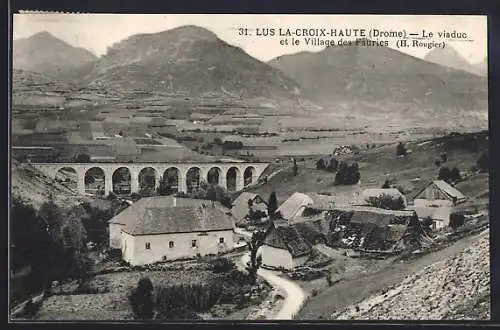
x,y
221,240
171,244
164,258
148,246
193,243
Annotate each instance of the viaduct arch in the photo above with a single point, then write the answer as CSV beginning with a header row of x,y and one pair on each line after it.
x,y
240,175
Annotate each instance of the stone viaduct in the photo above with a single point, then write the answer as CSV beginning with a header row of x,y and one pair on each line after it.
x,y
245,173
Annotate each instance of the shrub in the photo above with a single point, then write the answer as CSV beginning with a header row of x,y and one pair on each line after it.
x,y
437,162
483,162
456,220
445,174
400,149
222,265
387,202
455,174
332,165
386,184
199,297
147,192
347,174
320,164
444,157
314,292
141,299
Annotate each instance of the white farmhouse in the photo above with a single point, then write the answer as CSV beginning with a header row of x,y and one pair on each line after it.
x,y
158,229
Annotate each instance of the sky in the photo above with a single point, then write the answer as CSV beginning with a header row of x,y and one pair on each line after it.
x,y
97,32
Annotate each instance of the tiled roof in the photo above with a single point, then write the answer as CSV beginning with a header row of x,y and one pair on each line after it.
x,y
295,204
154,215
180,219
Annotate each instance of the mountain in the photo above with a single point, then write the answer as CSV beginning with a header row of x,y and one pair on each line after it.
x,y
480,68
375,74
187,59
46,54
448,57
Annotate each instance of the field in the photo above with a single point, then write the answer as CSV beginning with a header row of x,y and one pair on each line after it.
x,y
381,163
113,305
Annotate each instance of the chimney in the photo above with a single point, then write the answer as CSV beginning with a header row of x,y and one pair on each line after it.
x,y
174,202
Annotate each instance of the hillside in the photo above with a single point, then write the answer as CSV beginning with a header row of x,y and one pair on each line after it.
x,y
457,288
46,54
381,74
35,187
480,68
187,59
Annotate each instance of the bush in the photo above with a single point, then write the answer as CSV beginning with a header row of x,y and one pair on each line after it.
x,y
141,299
314,292
222,265
401,150
483,162
455,174
332,165
386,184
456,220
199,297
387,202
347,174
445,174
320,164
437,162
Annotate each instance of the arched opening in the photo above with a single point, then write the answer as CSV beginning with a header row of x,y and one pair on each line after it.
x,y
94,181
213,176
249,176
147,178
232,177
193,179
122,181
169,183
67,177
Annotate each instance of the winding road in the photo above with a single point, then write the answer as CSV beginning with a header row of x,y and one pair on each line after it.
x,y
294,295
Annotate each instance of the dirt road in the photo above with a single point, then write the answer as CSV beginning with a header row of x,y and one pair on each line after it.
x,y
351,291
294,295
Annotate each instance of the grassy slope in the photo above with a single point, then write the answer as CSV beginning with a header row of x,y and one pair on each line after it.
x,y
378,164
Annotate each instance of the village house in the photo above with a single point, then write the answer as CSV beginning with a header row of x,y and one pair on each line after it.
x,y
284,247
303,205
166,228
368,228
436,202
241,208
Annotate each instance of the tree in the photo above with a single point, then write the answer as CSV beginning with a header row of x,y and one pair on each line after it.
x,y
483,162
272,205
437,162
141,299
95,223
386,184
73,231
320,164
52,216
347,174
295,167
250,208
444,157
332,165
258,239
445,174
455,174
401,150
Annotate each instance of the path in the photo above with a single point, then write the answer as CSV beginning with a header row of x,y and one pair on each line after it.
x,y
294,295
